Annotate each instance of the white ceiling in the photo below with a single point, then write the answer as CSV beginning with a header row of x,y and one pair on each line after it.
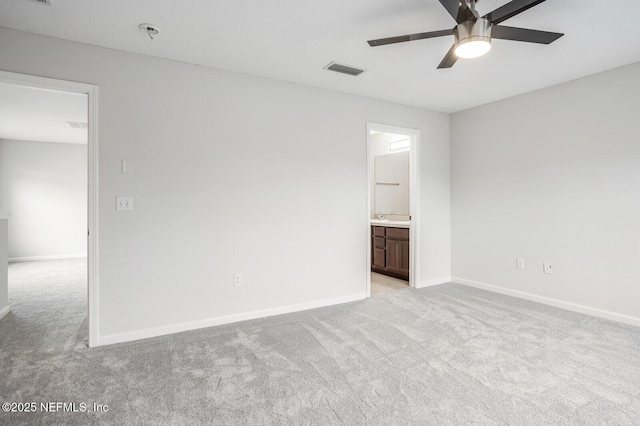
x,y
293,40
30,114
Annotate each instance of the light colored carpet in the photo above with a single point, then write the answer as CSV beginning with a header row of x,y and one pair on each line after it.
x,y
48,301
444,355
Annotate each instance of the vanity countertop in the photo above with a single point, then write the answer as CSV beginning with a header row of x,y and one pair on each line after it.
x,y
391,223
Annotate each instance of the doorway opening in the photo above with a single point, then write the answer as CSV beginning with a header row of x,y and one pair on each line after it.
x,y
49,188
393,199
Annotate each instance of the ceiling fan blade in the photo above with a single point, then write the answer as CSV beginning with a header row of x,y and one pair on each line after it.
x,y
452,7
409,37
523,34
449,59
459,10
510,10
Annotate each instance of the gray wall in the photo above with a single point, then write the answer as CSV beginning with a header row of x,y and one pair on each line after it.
x,y
233,174
44,185
4,285
553,176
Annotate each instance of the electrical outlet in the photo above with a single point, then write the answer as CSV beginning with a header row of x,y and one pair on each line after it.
x,y
124,203
237,280
520,263
51,240
546,268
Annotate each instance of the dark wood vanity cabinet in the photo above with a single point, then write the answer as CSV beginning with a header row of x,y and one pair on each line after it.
x,y
378,245
390,251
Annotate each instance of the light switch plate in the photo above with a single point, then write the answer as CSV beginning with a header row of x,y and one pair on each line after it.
x,y
127,167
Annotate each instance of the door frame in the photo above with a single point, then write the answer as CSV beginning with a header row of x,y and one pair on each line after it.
x,y
414,198
91,91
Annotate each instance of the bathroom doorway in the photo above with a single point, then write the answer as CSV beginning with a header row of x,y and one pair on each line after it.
x,y
392,207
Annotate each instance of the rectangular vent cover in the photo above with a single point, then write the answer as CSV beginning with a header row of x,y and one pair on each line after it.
x,y
344,69
47,2
77,125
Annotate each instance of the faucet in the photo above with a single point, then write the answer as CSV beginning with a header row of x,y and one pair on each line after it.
x,y
380,215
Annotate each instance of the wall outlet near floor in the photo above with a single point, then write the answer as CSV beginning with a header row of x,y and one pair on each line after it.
x,y
237,280
520,263
546,268
124,203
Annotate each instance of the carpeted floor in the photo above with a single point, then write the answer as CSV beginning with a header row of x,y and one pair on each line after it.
x,y
444,355
48,302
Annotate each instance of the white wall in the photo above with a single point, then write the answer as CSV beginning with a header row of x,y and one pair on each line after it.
x,y
44,185
553,176
435,205
233,174
4,284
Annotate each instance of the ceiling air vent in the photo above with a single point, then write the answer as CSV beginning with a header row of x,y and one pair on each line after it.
x,y
77,124
344,69
47,2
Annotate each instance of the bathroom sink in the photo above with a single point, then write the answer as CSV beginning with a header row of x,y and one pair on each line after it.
x,y
392,223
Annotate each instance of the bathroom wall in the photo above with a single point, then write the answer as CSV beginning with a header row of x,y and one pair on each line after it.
x,y
391,184
379,145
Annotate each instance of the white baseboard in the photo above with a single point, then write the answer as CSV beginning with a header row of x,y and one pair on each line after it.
x,y
194,325
569,306
4,311
57,257
433,282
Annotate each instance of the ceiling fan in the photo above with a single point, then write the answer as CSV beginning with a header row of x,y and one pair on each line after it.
x,y
473,33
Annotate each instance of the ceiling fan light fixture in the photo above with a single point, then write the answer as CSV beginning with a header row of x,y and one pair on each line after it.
x,y
473,33
470,48
473,38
